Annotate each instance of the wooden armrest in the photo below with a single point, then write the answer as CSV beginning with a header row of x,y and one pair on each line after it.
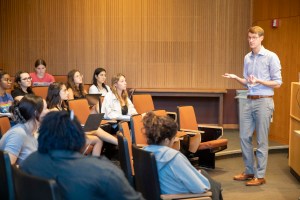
x,y
193,132
141,145
181,134
202,196
209,126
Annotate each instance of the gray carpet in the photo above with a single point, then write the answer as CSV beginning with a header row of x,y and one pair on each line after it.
x,y
281,185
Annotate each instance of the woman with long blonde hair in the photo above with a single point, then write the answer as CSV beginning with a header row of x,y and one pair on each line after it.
x,y
116,104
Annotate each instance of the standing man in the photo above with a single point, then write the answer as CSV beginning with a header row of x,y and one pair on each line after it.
x,y
262,73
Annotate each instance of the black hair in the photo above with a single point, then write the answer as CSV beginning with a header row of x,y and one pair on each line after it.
x,y
158,128
39,62
59,132
96,73
53,98
2,73
29,107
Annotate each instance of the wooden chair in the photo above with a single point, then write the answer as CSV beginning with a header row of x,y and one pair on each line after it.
x,y
28,187
147,178
82,111
4,125
6,178
138,135
41,91
144,103
136,126
211,141
125,157
60,78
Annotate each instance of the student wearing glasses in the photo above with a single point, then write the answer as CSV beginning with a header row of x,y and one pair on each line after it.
x,y
22,85
6,99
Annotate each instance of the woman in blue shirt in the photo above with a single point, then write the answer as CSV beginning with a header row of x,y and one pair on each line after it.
x,y
176,174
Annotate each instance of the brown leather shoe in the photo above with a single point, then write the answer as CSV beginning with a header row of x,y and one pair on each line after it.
x,y
243,177
256,181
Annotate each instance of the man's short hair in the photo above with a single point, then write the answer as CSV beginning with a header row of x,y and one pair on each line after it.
x,y
256,29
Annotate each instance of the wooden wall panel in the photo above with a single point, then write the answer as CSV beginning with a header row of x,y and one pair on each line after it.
x,y
285,42
170,43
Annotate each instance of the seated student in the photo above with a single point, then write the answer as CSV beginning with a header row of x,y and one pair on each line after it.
x,y
56,101
76,88
99,86
6,99
22,85
40,77
75,85
116,104
176,174
78,177
19,141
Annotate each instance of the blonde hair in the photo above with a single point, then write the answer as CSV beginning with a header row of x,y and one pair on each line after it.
x,y
124,94
256,29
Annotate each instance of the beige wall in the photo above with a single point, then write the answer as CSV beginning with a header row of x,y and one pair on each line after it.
x,y
155,43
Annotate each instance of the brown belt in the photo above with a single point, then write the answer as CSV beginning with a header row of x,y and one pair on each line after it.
x,y
258,96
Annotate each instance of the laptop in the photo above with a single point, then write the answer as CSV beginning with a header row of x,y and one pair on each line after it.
x,y
93,122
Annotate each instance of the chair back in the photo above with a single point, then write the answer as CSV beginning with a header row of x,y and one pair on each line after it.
x,y
136,123
61,78
41,91
187,118
6,178
142,103
125,158
4,125
28,187
160,112
146,175
81,109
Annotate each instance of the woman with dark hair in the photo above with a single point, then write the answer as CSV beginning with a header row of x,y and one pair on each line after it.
x,y
176,174
22,85
99,86
6,99
78,177
75,85
56,101
19,141
116,104
40,77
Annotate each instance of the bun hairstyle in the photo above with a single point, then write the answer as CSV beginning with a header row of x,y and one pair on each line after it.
x,y
28,108
158,128
60,131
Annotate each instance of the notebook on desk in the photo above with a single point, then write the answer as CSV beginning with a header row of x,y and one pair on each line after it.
x,y
93,122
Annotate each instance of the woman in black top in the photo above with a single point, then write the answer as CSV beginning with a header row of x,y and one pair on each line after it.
x,y
22,85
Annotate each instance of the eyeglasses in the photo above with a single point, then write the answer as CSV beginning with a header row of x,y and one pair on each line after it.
x,y
252,38
7,80
26,79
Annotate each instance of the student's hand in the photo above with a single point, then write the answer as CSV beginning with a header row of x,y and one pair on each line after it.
x,y
227,75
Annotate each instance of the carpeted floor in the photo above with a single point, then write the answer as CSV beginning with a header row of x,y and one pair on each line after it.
x,y
281,184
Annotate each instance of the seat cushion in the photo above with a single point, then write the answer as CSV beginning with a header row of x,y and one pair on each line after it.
x,y
213,144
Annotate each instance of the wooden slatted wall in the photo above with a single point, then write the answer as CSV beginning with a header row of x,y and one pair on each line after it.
x,y
155,43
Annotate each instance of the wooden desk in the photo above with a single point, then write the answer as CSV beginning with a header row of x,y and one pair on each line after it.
x,y
172,92
294,135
